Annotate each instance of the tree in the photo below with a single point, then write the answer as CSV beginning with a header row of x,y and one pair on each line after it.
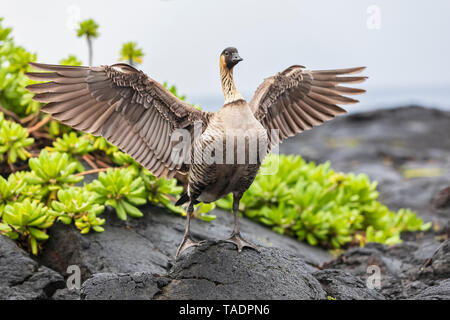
x,y
131,53
88,28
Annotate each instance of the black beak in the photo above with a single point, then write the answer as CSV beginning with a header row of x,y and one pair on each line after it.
x,y
235,58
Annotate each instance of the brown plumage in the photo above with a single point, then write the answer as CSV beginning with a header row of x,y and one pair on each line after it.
x,y
121,104
140,116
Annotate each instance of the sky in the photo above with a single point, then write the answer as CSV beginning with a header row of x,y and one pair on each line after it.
x,y
404,44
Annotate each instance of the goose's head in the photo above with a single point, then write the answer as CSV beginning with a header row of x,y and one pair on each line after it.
x,y
229,58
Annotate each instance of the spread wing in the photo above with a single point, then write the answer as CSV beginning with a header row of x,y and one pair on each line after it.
x,y
121,104
296,99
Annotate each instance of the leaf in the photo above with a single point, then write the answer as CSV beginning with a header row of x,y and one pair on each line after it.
x,y
121,213
38,234
98,229
33,243
311,239
131,210
65,219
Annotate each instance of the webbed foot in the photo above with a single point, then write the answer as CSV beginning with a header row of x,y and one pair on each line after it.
x,y
186,243
240,242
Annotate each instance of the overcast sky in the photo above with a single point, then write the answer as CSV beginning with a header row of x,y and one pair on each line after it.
x,y
182,39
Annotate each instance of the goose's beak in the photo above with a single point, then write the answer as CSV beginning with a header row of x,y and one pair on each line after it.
x,y
235,58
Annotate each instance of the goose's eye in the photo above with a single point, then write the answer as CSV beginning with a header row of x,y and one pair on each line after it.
x,y
226,53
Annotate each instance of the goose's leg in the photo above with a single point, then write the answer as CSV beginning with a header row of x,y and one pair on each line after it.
x,y
236,237
187,241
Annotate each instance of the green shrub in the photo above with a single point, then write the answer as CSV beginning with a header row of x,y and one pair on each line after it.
x,y
172,89
13,65
75,146
30,191
52,172
28,220
13,140
79,205
122,190
162,191
122,159
102,144
313,203
165,192
11,190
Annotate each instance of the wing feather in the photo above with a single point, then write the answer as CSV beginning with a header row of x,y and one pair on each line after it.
x,y
296,99
120,103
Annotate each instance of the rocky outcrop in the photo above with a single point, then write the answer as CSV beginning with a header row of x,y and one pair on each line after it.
x,y
406,270
22,278
149,244
440,291
218,271
215,271
341,285
134,259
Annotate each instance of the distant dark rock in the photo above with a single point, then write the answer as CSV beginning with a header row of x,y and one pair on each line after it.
x,y
440,291
215,271
22,278
66,294
437,267
405,269
344,286
442,199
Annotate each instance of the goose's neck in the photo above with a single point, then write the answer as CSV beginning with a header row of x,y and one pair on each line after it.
x,y
230,92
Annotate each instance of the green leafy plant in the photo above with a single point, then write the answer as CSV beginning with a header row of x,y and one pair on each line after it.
x,y
13,140
27,221
56,129
73,145
122,159
102,144
165,192
162,191
79,205
52,172
174,91
30,191
315,204
13,65
122,190
6,230
201,211
11,190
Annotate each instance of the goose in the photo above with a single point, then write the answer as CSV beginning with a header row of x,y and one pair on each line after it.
x,y
140,116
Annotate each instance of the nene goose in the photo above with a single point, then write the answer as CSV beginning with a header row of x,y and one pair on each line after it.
x,y
140,116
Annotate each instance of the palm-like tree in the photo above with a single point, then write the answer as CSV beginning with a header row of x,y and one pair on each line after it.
x,y
88,28
131,53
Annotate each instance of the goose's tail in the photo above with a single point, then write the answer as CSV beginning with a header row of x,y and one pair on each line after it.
x,y
183,199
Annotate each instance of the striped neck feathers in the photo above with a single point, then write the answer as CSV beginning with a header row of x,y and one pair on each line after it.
x,y
230,92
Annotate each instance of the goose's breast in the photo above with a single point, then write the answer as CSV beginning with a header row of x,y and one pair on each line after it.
x,y
232,149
